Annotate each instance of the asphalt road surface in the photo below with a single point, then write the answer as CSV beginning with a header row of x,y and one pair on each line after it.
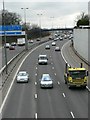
x,y
28,100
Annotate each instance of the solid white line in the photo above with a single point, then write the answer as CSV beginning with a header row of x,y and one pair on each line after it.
x,y
72,115
35,96
62,52
64,95
4,101
35,115
88,88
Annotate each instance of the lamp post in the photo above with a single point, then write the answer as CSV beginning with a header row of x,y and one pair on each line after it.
x,y
5,38
40,24
52,26
26,43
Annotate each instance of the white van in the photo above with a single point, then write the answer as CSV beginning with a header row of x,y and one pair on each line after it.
x,y
42,59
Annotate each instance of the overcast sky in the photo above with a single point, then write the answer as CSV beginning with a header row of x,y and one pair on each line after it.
x,y
55,13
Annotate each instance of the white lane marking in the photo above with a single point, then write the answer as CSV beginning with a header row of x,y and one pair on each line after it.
x,y
36,74
4,101
52,63
64,95
35,83
72,114
50,56
36,68
58,83
52,67
88,88
62,52
35,96
35,115
55,74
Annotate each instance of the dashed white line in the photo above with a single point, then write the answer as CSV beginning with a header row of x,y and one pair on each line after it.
x,y
36,74
35,83
52,67
58,83
35,96
36,68
35,115
64,95
55,74
72,114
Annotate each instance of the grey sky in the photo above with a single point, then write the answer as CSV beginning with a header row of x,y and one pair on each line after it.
x,y
64,13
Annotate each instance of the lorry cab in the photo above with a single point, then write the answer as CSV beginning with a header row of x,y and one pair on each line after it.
x,y
76,77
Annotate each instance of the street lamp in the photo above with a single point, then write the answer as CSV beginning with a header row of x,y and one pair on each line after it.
x,y
40,24
5,38
26,43
52,26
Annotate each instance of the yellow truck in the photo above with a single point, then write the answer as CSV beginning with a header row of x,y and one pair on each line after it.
x,y
75,77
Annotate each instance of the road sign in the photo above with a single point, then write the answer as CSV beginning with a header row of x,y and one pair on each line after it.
x,y
10,27
12,33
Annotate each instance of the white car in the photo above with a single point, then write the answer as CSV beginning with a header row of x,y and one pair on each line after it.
x,y
7,45
22,76
46,81
47,47
42,59
57,48
53,44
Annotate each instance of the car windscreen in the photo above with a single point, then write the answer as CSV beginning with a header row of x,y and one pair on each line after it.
x,y
42,58
47,78
22,74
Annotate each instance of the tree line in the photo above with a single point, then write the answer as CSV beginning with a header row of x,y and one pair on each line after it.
x,y
12,18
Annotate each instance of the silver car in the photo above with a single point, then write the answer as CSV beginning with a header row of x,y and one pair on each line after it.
x,y
57,48
53,44
46,81
22,76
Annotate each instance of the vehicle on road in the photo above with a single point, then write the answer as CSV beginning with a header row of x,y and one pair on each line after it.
x,y
53,44
51,38
38,39
47,47
7,45
56,39
21,41
13,44
57,48
22,76
30,41
11,47
61,38
42,59
46,81
75,77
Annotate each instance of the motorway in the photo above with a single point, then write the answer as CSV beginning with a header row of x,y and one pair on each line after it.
x,y
28,100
